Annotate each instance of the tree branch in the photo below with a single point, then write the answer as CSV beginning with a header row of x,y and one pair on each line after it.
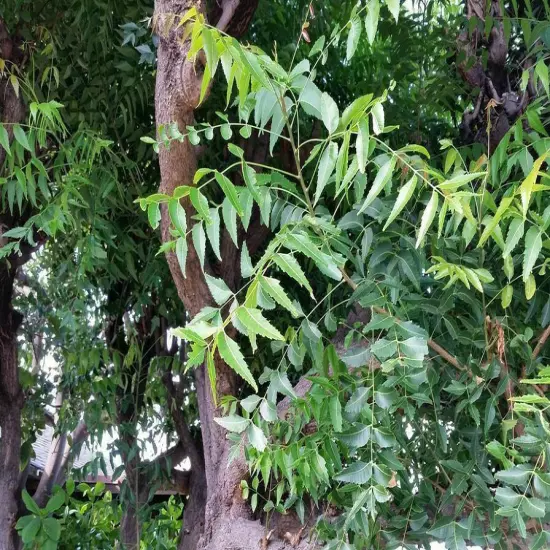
x,y
541,341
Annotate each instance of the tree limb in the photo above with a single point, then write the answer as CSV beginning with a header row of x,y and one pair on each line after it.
x,y
541,341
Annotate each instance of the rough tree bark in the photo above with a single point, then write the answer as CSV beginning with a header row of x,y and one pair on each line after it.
x,y
216,517
11,404
500,101
11,396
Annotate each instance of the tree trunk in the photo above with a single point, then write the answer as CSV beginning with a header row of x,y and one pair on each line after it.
x,y
55,457
500,101
216,517
11,404
12,110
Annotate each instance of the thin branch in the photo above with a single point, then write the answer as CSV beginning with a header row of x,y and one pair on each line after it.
x,y
229,7
174,455
541,341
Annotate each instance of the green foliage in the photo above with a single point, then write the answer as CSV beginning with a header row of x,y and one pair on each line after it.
x,y
440,244
397,434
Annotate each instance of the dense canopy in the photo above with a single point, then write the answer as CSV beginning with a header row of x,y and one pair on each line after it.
x,y
278,270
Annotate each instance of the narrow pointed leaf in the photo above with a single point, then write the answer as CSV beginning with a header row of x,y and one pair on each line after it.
x,y
255,322
330,113
219,290
326,168
275,290
405,193
427,217
362,144
232,355
533,246
291,267
230,191
181,253
515,233
213,232
199,242
353,37
382,178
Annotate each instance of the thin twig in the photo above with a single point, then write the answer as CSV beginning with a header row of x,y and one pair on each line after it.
x,y
542,340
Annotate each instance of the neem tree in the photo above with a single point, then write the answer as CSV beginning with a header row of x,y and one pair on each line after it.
x,y
421,424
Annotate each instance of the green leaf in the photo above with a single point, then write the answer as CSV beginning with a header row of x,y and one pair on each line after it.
x,y
21,137
506,296
362,144
385,397
291,267
357,401
55,502
177,215
233,423
231,354
371,20
541,69
383,437
330,113
52,528
256,437
514,476
29,532
200,202
358,473
335,409
530,286
353,37
247,269
230,191
326,168
213,232
526,188
533,507
219,290
255,322
459,180
210,49
356,357
383,349
181,254
210,369
384,175
280,382
450,159
268,411
275,290
4,139
533,246
199,242
317,47
393,6
229,215
515,233
153,215
250,403
29,503
405,193
427,217
305,245
377,118
356,436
